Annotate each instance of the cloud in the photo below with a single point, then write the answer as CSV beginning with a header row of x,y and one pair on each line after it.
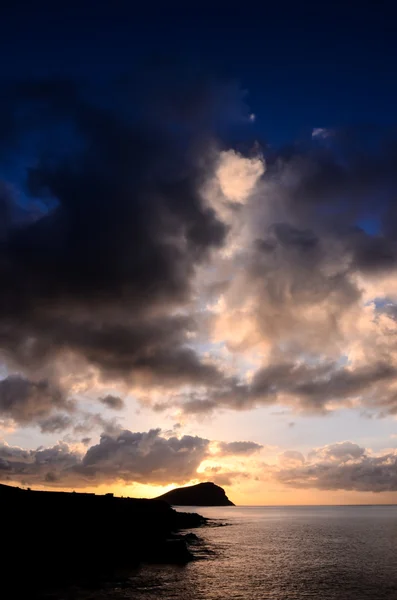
x,y
342,466
234,448
28,402
223,477
86,422
24,402
308,256
101,276
191,274
113,402
126,456
120,456
145,457
321,132
315,389
56,423
340,452
291,458
36,466
238,175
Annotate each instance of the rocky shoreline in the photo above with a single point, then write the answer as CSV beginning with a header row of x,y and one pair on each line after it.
x,y
59,538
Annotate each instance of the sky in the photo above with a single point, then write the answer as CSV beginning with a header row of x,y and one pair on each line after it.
x,y
198,250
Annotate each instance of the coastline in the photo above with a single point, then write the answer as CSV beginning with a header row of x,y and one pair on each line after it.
x,y
57,539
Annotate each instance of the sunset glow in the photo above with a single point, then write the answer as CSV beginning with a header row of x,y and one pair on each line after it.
x,y
199,281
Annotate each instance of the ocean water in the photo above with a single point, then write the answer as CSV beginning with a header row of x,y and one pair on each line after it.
x,y
281,553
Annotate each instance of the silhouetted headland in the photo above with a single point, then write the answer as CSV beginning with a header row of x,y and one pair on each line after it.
x,y
202,494
54,538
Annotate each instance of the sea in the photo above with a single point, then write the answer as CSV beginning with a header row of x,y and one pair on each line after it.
x,y
279,553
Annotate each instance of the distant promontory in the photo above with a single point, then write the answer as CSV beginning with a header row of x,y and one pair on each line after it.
x,y
202,494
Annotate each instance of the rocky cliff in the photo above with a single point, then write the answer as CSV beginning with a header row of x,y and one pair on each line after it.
x,y
202,494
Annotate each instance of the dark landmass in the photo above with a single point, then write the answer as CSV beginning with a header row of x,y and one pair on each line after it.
x,y
58,538
202,494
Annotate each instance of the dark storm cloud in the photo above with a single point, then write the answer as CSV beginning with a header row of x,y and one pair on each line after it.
x,y
41,403
102,271
343,466
337,184
30,402
145,457
85,422
77,423
239,447
152,346
34,466
324,215
56,423
343,384
113,402
6,210
354,160
131,457
105,273
307,388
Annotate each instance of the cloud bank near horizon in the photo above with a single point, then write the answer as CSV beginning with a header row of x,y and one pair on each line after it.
x,y
342,466
126,458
